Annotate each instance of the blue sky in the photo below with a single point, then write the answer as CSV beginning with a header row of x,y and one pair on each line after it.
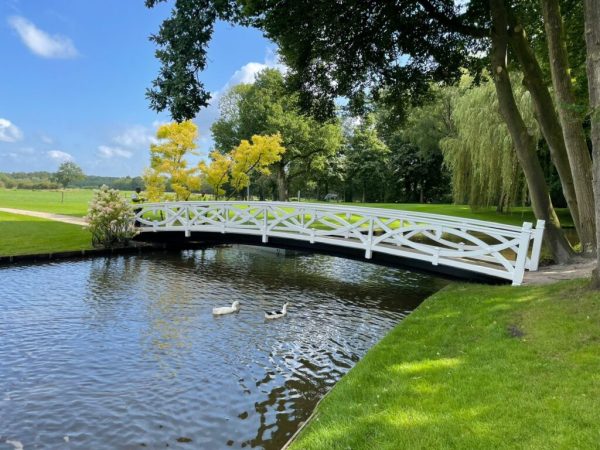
x,y
73,78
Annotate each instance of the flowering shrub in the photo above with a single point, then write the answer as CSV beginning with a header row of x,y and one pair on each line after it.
x,y
110,218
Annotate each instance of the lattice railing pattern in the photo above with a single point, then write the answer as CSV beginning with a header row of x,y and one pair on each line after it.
x,y
494,249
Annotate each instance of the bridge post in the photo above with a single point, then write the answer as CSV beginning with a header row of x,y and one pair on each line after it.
x,y
536,249
265,225
225,218
187,221
519,270
369,251
347,233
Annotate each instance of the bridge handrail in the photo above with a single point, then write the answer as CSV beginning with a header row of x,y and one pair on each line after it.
x,y
349,208
285,223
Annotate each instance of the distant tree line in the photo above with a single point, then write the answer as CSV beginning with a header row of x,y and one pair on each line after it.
x,y
48,180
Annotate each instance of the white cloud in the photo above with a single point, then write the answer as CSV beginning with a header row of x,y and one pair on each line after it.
x,y
135,137
40,42
9,132
247,73
58,155
157,123
109,152
46,139
126,143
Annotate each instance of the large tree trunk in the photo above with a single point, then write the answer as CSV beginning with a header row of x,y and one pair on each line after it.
x,y
577,150
545,114
522,140
592,38
282,183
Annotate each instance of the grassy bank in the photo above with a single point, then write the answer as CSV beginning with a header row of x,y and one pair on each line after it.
x,y
475,367
23,235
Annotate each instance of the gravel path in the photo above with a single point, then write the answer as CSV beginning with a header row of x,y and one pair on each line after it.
x,y
50,216
582,268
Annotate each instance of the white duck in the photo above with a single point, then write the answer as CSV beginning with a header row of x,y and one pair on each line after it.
x,y
235,307
277,314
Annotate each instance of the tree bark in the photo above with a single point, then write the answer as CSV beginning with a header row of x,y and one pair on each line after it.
x,y
522,140
592,38
282,183
546,116
577,150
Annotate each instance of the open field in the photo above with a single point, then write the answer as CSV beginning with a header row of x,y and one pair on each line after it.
x,y
22,235
475,367
75,200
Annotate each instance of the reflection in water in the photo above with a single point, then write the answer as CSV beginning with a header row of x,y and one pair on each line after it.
x,y
124,352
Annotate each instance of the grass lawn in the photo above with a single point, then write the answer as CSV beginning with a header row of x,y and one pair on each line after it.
x,y
75,200
22,235
516,216
475,367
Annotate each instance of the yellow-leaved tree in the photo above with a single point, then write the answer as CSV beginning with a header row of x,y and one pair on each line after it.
x,y
216,174
155,185
237,166
253,156
167,158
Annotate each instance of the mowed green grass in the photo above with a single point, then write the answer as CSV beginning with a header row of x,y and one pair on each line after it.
x,y
75,200
516,216
22,235
475,367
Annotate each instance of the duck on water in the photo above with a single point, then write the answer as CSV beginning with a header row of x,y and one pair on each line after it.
x,y
235,307
277,314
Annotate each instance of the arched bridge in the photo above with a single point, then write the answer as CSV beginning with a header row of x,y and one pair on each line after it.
x,y
428,241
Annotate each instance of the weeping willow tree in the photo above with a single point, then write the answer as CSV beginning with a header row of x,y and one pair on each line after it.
x,y
480,156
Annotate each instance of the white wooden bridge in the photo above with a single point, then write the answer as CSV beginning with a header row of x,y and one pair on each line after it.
x,y
441,242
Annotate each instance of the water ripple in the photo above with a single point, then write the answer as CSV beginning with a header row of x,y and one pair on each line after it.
x,y
124,353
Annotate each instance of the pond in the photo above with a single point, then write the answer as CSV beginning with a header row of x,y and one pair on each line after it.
x,y
124,352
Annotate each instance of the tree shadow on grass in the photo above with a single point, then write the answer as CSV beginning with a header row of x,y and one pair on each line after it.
x,y
447,380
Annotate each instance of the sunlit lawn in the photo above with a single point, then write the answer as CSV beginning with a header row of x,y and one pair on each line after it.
x,y
75,200
29,235
475,367
516,216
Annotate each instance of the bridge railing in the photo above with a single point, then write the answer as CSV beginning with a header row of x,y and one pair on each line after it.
x,y
498,250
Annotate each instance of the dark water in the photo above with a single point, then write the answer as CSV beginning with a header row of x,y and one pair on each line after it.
x,y
124,353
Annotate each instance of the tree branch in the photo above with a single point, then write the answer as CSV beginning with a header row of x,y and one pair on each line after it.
x,y
453,23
